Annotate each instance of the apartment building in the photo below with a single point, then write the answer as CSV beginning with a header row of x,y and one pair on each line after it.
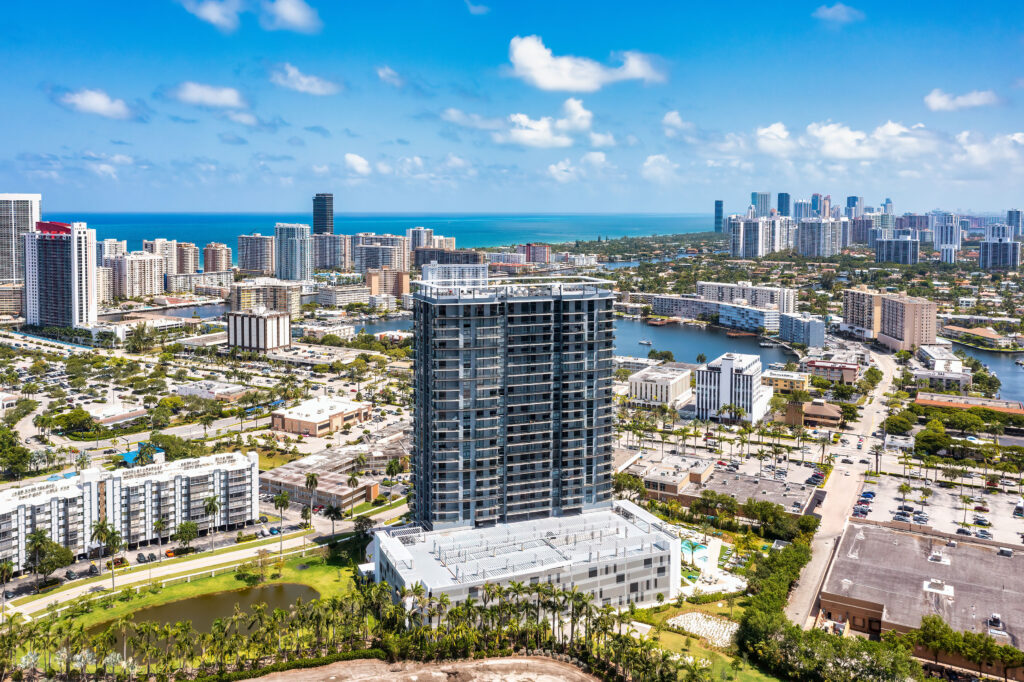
x,y
267,292
60,275
19,214
513,400
748,318
819,237
733,379
12,299
667,385
843,372
187,283
188,258
802,328
423,255
258,329
341,296
166,249
535,253
464,275
256,254
387,281
330,251
137,274
131,500
999,250
293,259
783,298
108,249
902,251
216,257
862,312
373,251
907,322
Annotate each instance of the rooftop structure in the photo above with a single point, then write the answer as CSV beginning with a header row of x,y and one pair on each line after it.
x,y
620,555
320,416
333,487
965,402
660,385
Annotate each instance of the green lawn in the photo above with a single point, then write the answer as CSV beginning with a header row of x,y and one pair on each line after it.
x,y
333,578
721,664
273,459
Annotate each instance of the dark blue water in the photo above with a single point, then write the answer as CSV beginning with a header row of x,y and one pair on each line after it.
x,y
1011,376
468,230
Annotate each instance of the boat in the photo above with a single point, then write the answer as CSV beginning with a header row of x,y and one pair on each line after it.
x,y
733,335
767,344
645,342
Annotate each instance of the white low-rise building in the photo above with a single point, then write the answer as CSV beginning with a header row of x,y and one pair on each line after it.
x,y
131,500
660,385
621,555
732,382
213,390
259,329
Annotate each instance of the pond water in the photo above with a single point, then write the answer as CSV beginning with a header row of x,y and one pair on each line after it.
x,y
1011,376
206,608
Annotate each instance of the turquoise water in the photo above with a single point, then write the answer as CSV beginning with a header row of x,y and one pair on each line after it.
x,y
468,230
690,544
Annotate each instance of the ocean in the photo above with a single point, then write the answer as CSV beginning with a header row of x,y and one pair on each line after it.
x,y
469,230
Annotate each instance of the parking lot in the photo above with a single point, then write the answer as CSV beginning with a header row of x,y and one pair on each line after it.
x,y
989,515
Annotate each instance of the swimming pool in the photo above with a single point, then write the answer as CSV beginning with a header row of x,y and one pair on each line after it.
x,y
690,545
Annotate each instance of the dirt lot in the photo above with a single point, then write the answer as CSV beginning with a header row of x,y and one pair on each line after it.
x,y
519,669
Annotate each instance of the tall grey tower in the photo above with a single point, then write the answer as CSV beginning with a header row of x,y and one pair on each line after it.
x,y
323,214
19,214
513,400
293,258
719,214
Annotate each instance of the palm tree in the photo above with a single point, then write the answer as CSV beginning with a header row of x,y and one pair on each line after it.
x,y
312,482
207,419
334,513
99,533
824,441
904,490
281,504
211,507
6,571
159,526
114,542
877,451
353,482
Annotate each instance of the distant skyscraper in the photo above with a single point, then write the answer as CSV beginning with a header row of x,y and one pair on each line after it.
x,y
330,251
256,254
294,258
19,214
887,206
166,249
323,214
783,203
819,237
137,273
108,249
419,237
60,275
854,207
762,203
816,203
188,258
1013,219
719,214
216,257
531,440
802,209
999,250
903,251
947,232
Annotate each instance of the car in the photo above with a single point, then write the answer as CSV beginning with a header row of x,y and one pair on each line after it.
x,y
868,493
846,460
94,569
904,518
983,534
962,531
263,519
905,508
151,558
980,508
860,446
981,521
169,553
70,575
920,519
140,558
721,463
274,531
9,594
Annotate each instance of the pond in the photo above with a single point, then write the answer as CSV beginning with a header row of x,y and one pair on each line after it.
x,y
206,608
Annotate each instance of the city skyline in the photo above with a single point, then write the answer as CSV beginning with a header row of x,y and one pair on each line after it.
x,y
260,106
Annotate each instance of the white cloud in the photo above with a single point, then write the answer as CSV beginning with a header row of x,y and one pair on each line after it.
x,y
288,76
221,13
563,171
839,141
602,140
774,139
357,164
838,14
384,168
243,117
455,162
596,160
659,169
532,133
477,10
204,95
992,153
390,76
104,170
289,15
96,102
674,124
535,64
461,118
577,118
937,100
321,169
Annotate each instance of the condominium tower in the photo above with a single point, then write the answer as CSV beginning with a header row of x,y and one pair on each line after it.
x,y
256,254
60,275
762,203
719,214
323,213
216,257
188,258
761,296
19,214
166,249
513,400
294,251
907,322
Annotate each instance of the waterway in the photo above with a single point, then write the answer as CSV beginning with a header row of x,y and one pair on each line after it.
x,y
206,608
1002,365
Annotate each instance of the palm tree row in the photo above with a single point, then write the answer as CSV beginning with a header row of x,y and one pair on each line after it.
x,y
407,625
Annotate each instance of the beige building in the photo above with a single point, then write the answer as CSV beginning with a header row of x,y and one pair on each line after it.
x,y
258,329
907,322
104,284
137,274
320,416
660,385
786,382
188,258
216,257
343,295
256,254
166,249
387,281
12,299
862,312
269,293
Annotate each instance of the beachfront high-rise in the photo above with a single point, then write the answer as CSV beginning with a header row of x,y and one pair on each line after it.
x,y
256,254
19,214
783,204
513,400
294,251
216,257
719,214
323,213
166,249
762,203
60,275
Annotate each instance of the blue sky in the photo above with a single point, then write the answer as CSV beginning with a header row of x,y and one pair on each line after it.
x,y
456,106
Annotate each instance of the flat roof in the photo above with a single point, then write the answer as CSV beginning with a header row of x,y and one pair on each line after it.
x,y
783,374
900,570
321,408
670,469
743,487
656,372
444,558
